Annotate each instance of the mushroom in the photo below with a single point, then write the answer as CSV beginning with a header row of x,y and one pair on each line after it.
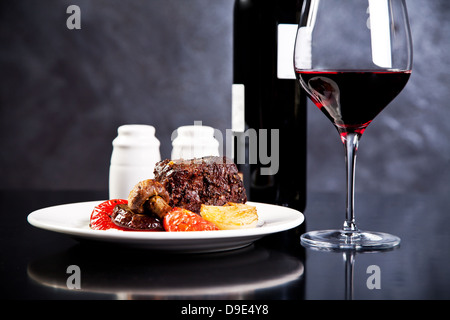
x,y
122,216
149,195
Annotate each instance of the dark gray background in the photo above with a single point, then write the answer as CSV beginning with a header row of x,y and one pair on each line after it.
x,y
167,63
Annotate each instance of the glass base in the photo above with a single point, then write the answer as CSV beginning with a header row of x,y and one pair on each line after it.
x,y
342,240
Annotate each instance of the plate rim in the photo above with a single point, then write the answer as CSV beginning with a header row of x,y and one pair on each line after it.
x,y
142,236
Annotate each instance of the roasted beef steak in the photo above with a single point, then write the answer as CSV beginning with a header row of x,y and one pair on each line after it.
x,y
208,180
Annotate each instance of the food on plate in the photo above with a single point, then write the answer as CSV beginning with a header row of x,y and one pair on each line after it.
x,y
149,196
207,180
180,219
101,215
142,211
124,217
231,216
158,206
174,200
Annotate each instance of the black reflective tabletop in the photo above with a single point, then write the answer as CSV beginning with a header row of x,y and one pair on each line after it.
x,y
39,264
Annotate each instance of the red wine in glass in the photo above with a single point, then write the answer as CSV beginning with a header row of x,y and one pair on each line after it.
x,y
352,67
352,99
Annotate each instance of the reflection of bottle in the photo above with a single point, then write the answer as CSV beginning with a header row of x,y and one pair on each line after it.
x,y
264,36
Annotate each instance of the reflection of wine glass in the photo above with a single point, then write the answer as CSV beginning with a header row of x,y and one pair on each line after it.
x,y
352,58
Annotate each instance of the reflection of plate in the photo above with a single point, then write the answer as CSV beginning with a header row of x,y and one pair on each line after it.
x,y
73,220
136,274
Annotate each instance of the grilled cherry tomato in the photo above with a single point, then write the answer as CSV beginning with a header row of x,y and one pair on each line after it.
x,y
101,215
184,220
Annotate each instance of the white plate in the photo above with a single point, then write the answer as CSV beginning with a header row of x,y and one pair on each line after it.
x,y
73,220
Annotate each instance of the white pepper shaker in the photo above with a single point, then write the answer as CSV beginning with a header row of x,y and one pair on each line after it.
x,y
194,142
135,153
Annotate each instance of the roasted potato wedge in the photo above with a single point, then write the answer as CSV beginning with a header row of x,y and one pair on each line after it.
x,y
231,215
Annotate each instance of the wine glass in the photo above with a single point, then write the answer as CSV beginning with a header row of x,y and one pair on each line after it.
x,y
352,58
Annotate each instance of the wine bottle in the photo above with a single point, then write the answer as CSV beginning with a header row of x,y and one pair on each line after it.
x,y
267,100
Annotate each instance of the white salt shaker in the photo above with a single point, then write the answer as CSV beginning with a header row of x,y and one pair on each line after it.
x,y
135,153
194,142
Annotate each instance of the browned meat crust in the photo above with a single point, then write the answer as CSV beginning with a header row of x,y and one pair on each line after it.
x,y
208,180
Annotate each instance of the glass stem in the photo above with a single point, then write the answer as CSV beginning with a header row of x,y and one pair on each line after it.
x,y
349,258
350,141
